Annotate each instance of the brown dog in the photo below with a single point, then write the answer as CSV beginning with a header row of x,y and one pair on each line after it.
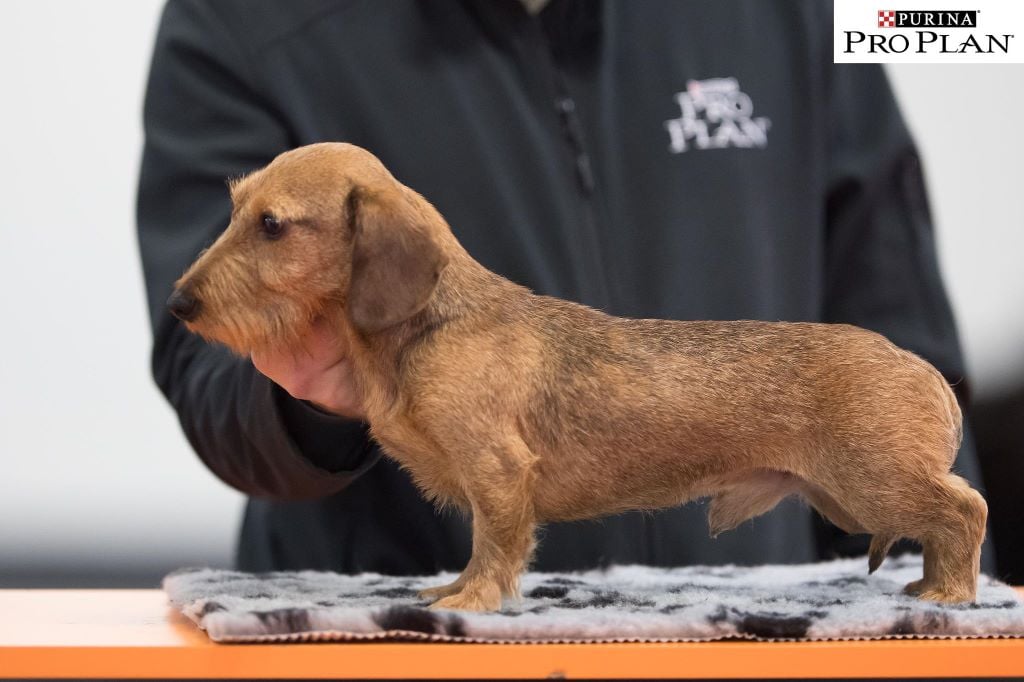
x,y
518,408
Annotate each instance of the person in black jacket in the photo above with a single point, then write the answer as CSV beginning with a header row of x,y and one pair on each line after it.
x,y
699,160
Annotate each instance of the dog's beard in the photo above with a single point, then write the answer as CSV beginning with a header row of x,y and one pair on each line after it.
x,y
273,326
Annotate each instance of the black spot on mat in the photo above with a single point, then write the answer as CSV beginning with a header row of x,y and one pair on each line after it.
x,y
603,599
413,619
548,592
259,595
407,618
848,580
637,603
934,621
326,603
280,621
394,592
598,600
565,581
974,606
820,603
672,608
903,626
212,607
454,626
817,603
773,626
684,587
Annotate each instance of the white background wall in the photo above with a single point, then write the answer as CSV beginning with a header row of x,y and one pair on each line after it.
x,y
94,468
968,124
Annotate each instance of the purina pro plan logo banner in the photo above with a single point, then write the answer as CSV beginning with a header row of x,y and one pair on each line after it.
x,y
977,32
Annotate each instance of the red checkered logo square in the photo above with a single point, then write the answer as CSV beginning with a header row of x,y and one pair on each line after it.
x,y
886,18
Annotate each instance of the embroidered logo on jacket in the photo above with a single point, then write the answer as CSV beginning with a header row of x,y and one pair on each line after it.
x,y
715,114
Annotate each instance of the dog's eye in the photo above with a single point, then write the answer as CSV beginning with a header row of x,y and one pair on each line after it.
x,y
272,227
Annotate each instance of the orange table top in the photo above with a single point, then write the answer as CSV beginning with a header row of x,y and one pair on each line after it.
x,y
134,633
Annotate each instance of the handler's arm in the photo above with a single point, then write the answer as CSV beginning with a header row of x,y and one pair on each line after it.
x,y
881,261
205,120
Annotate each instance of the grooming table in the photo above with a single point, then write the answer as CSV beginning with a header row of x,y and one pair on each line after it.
x,y
136,634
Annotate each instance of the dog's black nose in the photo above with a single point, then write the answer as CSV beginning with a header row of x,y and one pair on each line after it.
x,y
183,305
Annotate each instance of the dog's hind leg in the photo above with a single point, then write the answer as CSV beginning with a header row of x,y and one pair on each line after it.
x,y
951,535
939,510
744,498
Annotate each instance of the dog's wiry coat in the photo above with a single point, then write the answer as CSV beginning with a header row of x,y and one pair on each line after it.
x,y
522,409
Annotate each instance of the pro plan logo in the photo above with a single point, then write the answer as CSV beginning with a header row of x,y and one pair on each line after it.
x,y
890,18
926,32
715,114
927,41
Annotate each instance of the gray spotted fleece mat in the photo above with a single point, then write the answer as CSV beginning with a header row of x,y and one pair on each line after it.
x,y
833,600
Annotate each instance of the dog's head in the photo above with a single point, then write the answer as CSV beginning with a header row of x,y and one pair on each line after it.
x,y
321,227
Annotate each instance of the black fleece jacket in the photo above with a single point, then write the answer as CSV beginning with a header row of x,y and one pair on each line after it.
x,y
687,160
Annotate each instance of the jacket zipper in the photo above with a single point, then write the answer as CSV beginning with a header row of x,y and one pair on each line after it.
x,y
572,133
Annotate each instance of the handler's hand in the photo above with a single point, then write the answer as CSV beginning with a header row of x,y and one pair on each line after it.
x,y
319,371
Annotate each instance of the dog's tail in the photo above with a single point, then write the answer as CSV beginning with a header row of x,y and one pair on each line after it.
x,y
880,546
956,423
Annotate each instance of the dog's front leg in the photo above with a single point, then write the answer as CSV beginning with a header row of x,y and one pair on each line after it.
x,y
501,497
502,541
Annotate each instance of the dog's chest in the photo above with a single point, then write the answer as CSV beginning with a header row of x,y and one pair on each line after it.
x,y
427,463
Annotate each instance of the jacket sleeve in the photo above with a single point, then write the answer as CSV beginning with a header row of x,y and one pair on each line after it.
x,y
205,121
882,270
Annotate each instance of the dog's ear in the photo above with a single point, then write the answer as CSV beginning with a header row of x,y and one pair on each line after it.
x,y
396,262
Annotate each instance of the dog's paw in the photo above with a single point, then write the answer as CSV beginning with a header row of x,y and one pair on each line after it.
x,y
470,600
432,593
915,588
943,595
946,596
